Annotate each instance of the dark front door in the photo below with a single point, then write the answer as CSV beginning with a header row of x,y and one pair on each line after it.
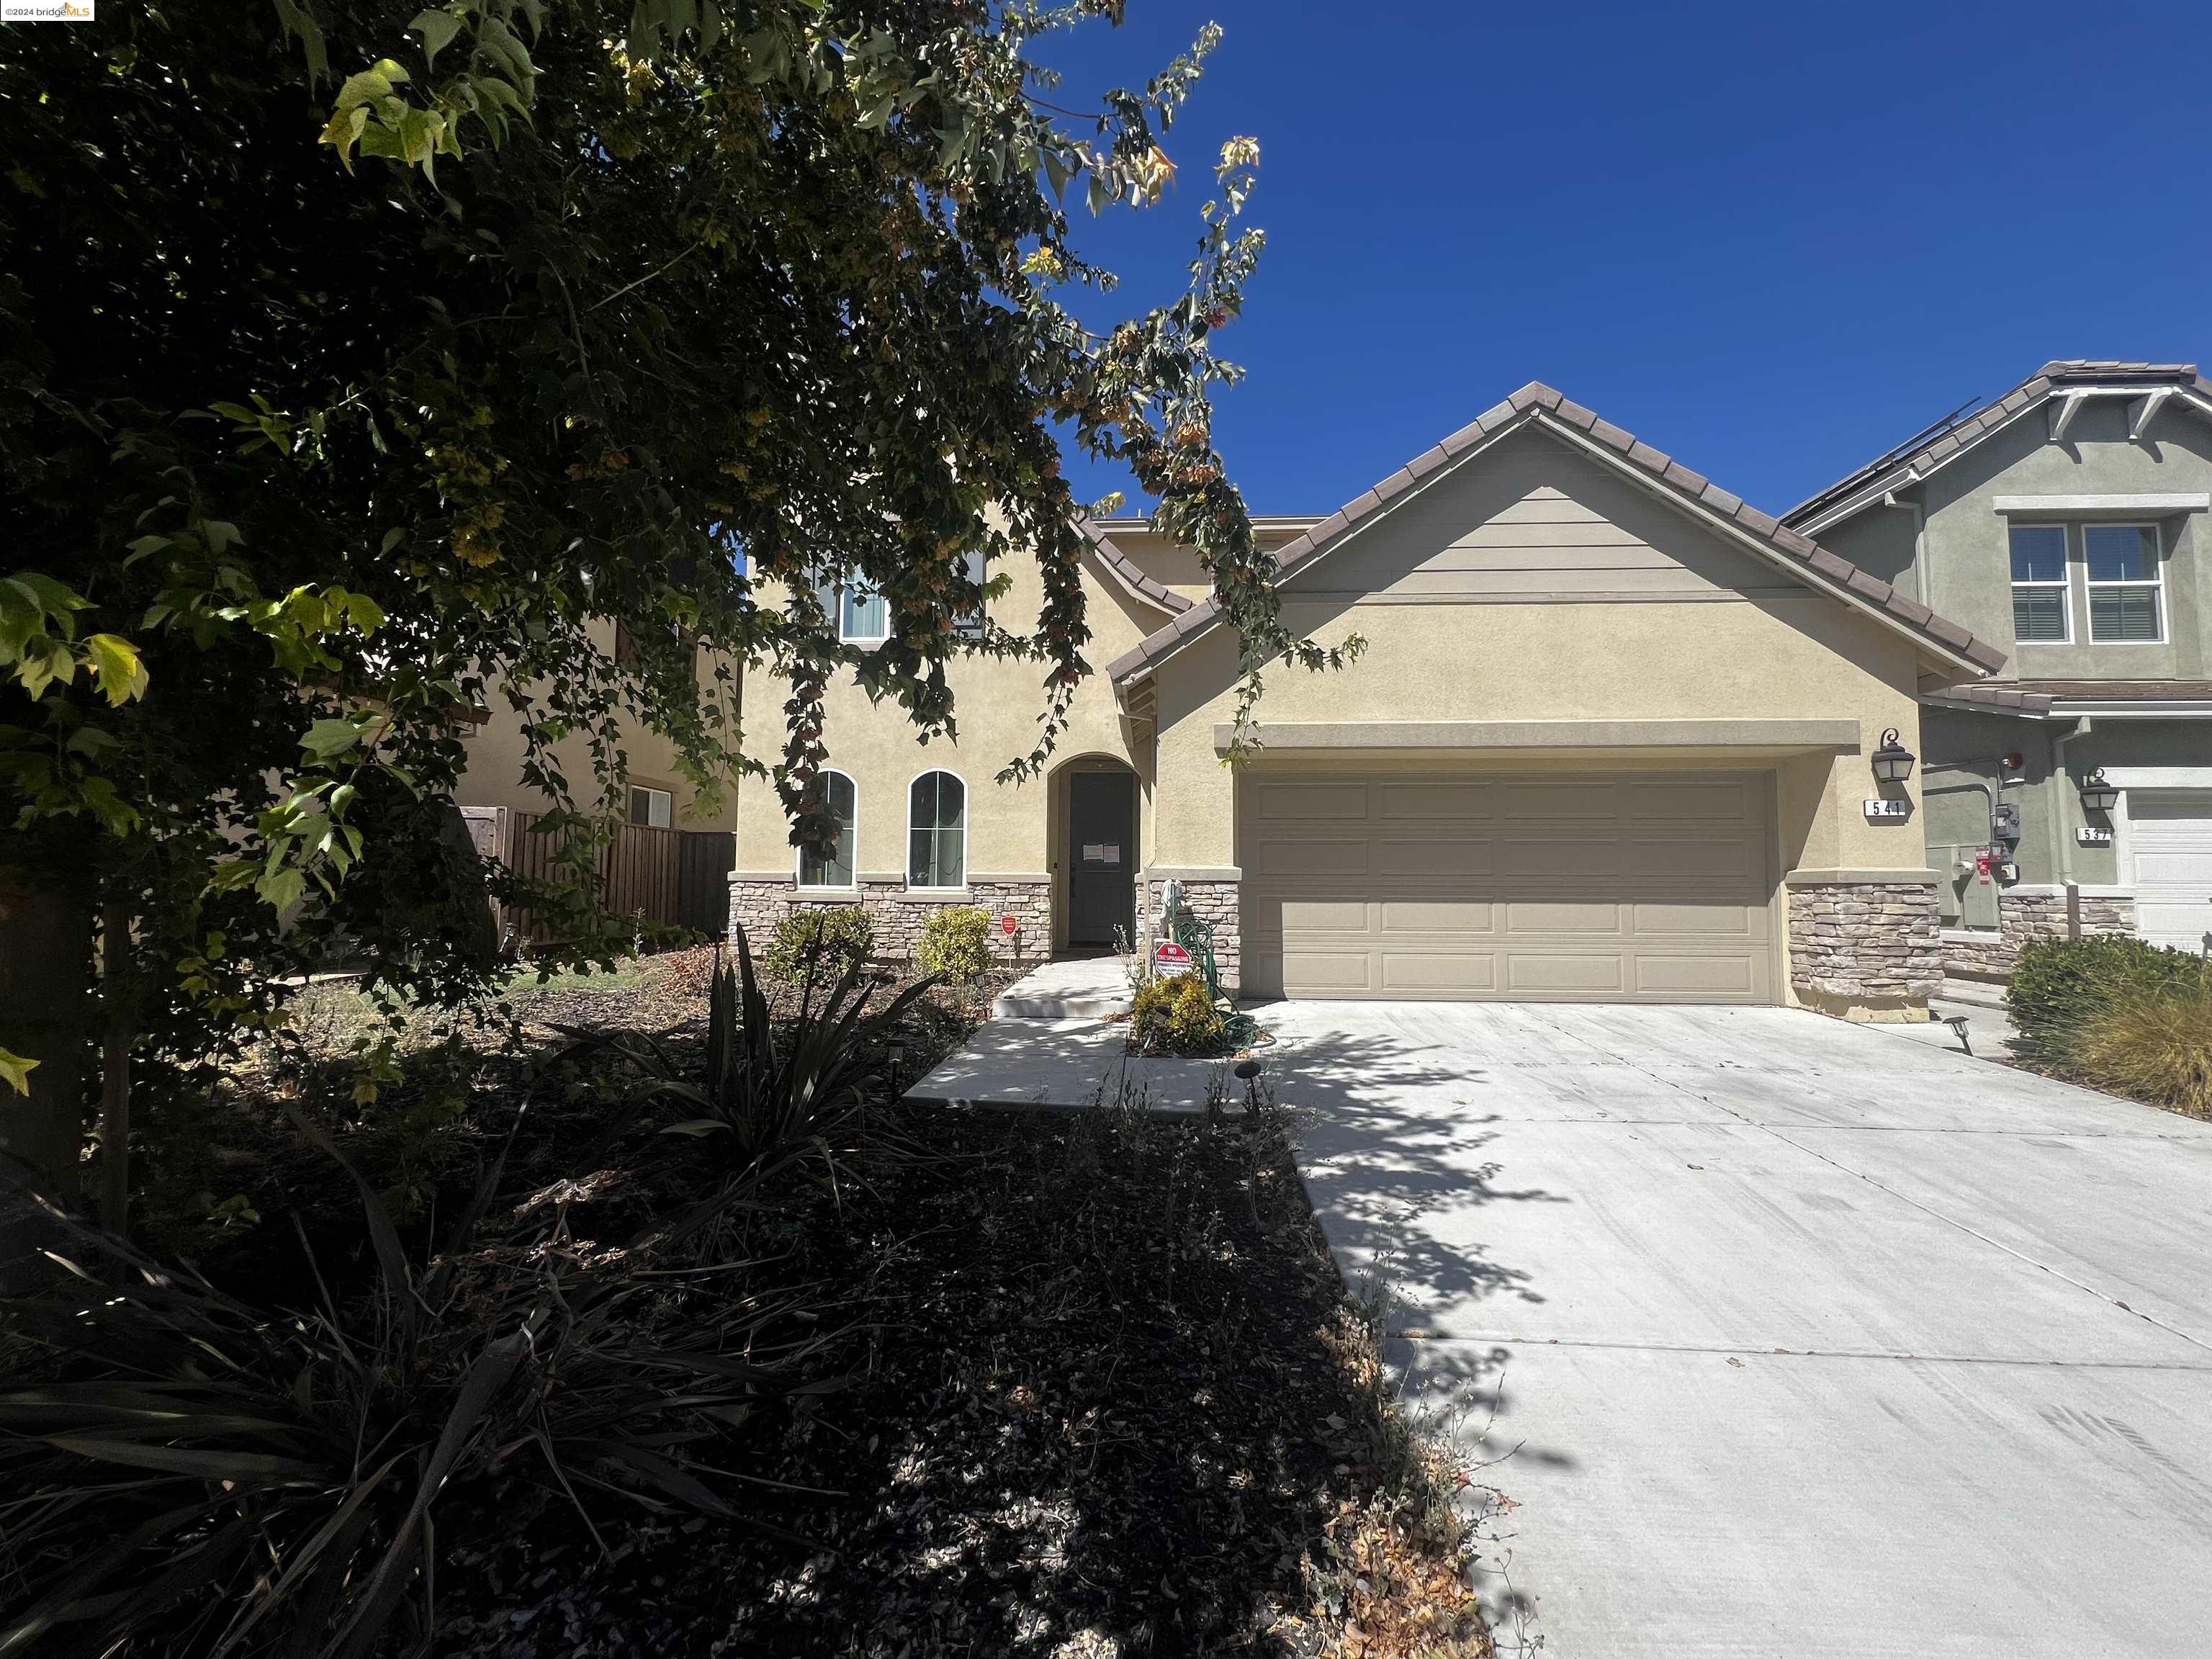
x,y
1101,856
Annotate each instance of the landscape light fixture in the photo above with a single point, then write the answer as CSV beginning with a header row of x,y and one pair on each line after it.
x,y
1892,762
2097,795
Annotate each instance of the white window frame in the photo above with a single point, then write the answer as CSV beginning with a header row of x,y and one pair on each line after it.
x,y
967,802
664,798
845,589
799,854
831,590
2156,584
2064,584
970,625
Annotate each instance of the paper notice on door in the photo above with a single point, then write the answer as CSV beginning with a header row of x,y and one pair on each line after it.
x,y
1102,851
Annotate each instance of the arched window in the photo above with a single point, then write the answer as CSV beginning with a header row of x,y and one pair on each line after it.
x,y
937,831
844,803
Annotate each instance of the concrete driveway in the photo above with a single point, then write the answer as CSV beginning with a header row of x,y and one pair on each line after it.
x,y
1792,1337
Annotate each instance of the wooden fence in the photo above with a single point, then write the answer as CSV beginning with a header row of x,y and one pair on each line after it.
x,y
679,878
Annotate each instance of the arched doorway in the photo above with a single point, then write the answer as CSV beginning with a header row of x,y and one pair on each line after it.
x,y
1095,853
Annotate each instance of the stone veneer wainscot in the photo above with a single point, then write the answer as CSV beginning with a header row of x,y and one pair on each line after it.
x,y
758,903
1865,949
2027,912
1215,903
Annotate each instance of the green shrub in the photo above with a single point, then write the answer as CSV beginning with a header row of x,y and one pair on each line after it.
x,y
2157,1049
1176,1016
188,1472
826,938
769,1094
955,944
2062,986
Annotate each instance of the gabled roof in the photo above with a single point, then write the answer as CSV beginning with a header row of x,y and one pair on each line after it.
x,y
2076,379
1537,405
1125,570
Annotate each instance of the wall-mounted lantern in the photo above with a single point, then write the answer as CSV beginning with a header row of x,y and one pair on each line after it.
x,y
2097,795
1892,762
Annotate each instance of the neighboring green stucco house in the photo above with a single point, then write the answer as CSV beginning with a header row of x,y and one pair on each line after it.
x,y
2066,522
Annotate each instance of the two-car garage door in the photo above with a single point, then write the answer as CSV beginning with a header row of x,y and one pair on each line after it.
x,y
1433,884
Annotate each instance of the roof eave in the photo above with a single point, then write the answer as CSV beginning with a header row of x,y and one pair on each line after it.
x,y
1939,640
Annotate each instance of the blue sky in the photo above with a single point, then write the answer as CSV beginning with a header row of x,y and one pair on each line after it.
x,y
1771,239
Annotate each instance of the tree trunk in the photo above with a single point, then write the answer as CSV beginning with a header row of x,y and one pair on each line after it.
x,y
46,999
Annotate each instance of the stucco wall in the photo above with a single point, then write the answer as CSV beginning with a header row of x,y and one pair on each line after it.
x,y
996,705
1968,560
495,751
1788,653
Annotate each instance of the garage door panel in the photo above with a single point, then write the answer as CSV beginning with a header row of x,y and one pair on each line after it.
x,y
1399,916
1654,921
2183,923
2178,868
1299,802
1322,915
1401,857
1672,861
1598,803
1693,803
1561,862
1591,888
1412,973
1535,973
1685,978
1456,803
1316,858
1319,972
1527,919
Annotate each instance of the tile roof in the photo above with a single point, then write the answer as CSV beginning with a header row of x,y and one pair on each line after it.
x,y
2001,700
2040,697
1126,569
1961,431
1537,402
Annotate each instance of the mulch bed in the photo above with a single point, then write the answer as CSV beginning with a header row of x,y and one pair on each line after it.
x,y
1109,1398
1103,1393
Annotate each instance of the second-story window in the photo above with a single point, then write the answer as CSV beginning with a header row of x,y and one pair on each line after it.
x,y
969,623
2125,589
863,617
2039,583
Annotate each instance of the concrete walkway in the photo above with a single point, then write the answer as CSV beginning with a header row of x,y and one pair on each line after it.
x,y
1789,1337
1069,1063
1069,987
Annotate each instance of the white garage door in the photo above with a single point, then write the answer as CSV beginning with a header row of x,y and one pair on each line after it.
x,y
2171,832
1573,887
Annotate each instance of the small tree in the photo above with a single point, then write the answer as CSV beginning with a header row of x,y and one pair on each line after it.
x,y
582,317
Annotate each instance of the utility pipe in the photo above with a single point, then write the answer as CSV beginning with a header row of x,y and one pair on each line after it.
x,y
1919,512
2063,781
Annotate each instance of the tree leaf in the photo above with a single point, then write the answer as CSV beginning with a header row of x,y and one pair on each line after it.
x,y
16,1072
116,667
329,738
437,30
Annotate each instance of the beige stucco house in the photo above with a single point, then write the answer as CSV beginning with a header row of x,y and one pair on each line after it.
x,y
1609,739
654,792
